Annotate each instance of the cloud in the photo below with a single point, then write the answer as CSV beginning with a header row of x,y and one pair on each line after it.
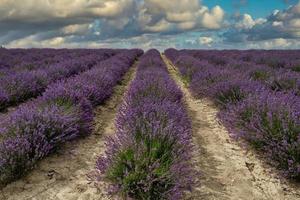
x,y
278,43
161,26
78,29
145,41
206,41
28,10
213,19
178,15
283,24
245,22
32,41
23,18
103,19
143,23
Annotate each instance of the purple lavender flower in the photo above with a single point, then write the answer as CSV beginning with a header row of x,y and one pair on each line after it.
x,y
22,85
259,94
150,155
270,122
62,113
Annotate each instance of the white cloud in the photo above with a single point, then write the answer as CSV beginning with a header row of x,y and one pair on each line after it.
x,y
294,23
186,25
80,29
277,23
278,43
33,10
213,19
103,19
206,41
160,26
31,41
187,13
280,24
283,23
23,18
100,23
57,42
247,22
178,15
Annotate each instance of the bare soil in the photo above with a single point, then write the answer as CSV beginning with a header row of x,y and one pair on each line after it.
x,y
63,175
227,170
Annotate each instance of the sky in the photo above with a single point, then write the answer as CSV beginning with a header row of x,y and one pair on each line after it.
x,y
197,24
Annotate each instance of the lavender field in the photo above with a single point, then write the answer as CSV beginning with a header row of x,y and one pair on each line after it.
x,y
129,124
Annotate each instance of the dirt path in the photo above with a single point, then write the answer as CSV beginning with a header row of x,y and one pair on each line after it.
x,y
228,171
62,176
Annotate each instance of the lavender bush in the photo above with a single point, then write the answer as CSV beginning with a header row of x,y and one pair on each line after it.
x,y
229,92
285,81
270,122
34,132
260,73
149,157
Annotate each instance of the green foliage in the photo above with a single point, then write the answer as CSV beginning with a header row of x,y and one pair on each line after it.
x,y
296,68
283,84
232,95
259,75
143,169
65,103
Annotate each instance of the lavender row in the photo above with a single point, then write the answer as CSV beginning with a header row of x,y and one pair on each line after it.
x,y
18,87
149,157
277,80
10,58
263,111
62,113
42,60
288,59
17,57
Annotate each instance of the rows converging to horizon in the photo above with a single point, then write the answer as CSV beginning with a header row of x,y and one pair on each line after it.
x,y
49,98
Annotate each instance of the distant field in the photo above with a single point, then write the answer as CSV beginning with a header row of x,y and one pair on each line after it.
x,y
128,124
